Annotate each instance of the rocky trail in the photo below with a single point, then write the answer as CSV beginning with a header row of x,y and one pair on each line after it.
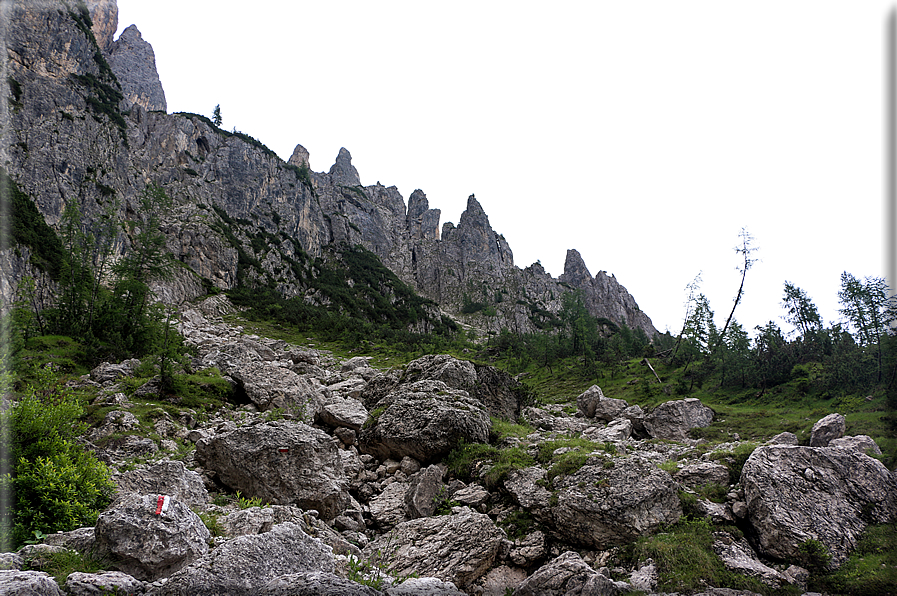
x,y
334,473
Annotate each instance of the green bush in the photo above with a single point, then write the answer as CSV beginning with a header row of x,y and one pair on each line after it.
x,y
56,484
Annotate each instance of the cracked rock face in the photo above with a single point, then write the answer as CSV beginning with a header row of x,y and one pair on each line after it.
x,y
829,494
459,548
149,546
601,506
280,462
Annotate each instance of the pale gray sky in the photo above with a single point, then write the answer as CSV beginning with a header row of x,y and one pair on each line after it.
x,y
644,134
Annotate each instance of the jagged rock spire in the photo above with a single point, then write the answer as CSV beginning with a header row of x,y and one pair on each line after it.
x,y
343,172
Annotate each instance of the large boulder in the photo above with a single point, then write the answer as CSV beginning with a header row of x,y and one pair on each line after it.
x,y
593,404
240,566
673,419
458,548
315,583
827,429
28,583
108,582
270,386
147,545
828,494
568,575
425,420
738,556
280,462
501,394
165,478
601,506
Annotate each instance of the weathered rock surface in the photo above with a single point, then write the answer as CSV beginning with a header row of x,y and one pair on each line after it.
x,y
425,420
315,583
149,546
239,566
279,462
593,404
134,63
423,490
165,478
600,506
423,586
270,386
28,583
861,443
104,18
701,473
458,548
827,494
525,488
567,575
673,419
108,582
738,556
496,389
826,429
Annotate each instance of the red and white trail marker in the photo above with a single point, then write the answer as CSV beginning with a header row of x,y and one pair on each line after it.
x,y
162,504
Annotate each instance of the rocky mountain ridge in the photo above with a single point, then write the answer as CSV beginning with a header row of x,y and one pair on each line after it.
x,y
87,123
344,470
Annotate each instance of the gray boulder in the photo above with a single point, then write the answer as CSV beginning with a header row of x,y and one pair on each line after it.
x,y
458,548
525,488
165,478
673,419
423,586
240,566
568,575
826,429
593,404
599,507
499,392
280,462
270,386
388,508
738,556
616,431
425,420
107,582
343,413
423,490
702,473
862,443
315,583
828,494
149,546
28,583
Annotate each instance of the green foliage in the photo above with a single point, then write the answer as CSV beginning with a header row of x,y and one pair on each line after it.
x,y
370,572
814,555
443,502
487,462
686,562
211,522
61,564
247,502
734,460
216,115
27,227
57,485
103,99
518,524
360,300
871,569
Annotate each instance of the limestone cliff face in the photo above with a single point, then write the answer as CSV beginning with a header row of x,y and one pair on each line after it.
x,y
87,123
134,63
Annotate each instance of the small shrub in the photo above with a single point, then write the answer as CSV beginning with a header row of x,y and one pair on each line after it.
x,y
58,485
247,502
814,555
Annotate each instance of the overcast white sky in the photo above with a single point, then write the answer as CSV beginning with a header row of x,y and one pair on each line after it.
x,y
644,134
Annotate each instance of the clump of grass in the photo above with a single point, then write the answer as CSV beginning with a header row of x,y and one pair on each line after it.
x,y
734,460
502,429
518,524
469,460
61,564
686,562
871,569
